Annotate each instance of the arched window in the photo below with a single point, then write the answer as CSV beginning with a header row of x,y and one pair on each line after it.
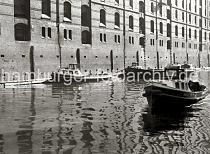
x,y
131,22
141,6
22,32
85,16
182,31
176,30
189,32
46,8
152,7
117,19
67,11
103,17
152,26
86,37
141,25
161,28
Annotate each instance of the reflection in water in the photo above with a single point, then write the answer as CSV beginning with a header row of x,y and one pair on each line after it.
x,y
106,117
25,132
1,143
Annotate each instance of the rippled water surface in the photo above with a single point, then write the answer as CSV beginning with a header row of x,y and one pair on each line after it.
x,y
100,118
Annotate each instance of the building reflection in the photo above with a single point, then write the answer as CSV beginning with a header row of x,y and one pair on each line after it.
x,y
25,132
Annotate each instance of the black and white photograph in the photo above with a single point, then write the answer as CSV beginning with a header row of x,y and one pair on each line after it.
x,y
104,76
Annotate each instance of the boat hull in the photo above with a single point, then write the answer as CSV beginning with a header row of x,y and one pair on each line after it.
x,y
57,77
164,97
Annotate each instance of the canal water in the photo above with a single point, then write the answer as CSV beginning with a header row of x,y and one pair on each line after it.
x,y
109,117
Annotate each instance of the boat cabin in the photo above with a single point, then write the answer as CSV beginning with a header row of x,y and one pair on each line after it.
x,y
174,72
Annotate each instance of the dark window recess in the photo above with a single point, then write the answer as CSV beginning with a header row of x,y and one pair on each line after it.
x,y
168,30
131,22
141,6
131,3
22,8
117,19
86,21
129,39
57,56
2,56
115,38
142,41
96,57
132,40
22,32
118,38
85,56
23,56
86,37
49,33
85,16
168,44
141,26
169,2
152,7
189,33
41,56
104,37
168,14
46,7
176,30
152,26
101,37
43,32
65,34
182,31
67,10
161,28
107,56
70,34
103,16
72,56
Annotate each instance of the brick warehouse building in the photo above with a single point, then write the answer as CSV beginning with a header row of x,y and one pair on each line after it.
x,y
102,35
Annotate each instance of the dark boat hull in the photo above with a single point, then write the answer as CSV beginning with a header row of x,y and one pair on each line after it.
x,y
164,97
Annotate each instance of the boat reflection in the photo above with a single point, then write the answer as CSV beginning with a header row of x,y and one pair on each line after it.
x,y
160,120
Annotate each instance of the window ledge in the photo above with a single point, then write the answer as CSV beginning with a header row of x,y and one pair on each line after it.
x,y
66,19
116,27
102,25
44,16
116,3
131,30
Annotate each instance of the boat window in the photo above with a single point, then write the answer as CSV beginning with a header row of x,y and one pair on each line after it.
x,y
183,85
177,85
